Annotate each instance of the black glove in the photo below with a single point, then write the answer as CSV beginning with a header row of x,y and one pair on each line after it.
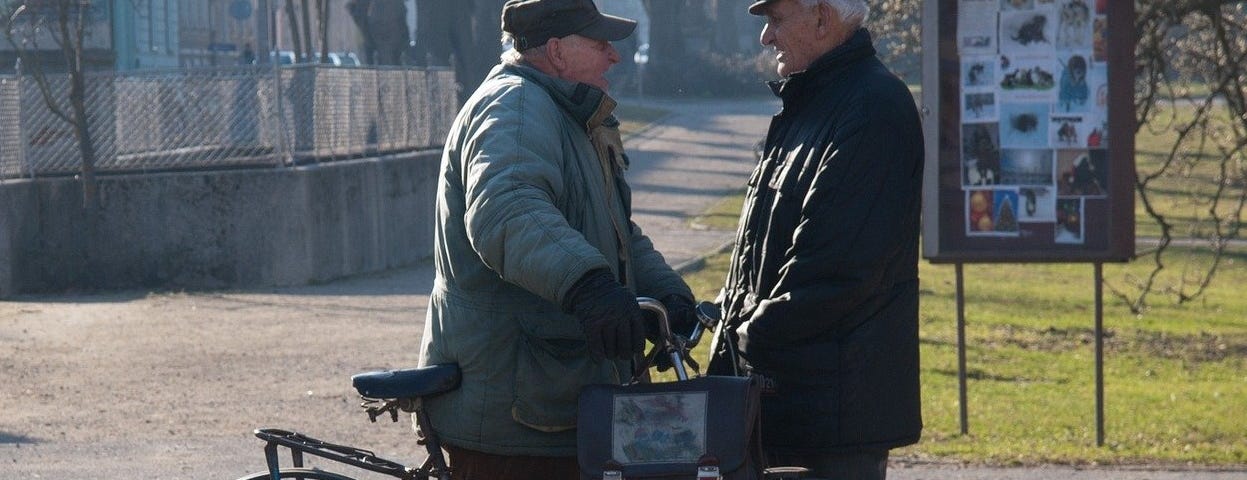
x,y
609,315
681,315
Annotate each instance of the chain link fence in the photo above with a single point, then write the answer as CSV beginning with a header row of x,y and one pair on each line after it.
x,y
11,158
224,117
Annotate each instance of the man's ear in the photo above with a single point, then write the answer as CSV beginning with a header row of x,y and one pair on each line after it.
x,y
554,52
828,20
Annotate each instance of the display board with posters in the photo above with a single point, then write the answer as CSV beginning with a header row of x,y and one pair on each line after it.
x,y
1030,131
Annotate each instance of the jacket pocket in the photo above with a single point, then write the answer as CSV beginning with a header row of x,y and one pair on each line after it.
x,y
551,366
786,172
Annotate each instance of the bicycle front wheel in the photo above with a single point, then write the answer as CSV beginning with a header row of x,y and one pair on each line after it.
x,y
298,473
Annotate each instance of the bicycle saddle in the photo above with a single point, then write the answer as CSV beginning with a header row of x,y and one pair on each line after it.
x,y
408,383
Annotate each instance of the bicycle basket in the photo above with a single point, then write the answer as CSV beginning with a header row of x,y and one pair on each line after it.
x,y
667,430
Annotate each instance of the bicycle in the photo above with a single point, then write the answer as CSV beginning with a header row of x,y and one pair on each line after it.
x,y
392,391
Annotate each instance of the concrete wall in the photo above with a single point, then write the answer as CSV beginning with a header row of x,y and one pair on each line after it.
x,y
223,229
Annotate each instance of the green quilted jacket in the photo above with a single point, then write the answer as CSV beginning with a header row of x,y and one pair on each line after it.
x,y
531,196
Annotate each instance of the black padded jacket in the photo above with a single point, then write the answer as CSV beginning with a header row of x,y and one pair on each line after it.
x,y
822,293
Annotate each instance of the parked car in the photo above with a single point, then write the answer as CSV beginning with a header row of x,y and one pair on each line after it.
x,y
337,59
333,59
282,57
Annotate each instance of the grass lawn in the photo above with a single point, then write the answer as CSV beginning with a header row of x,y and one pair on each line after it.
x,y
1175,378
1194,176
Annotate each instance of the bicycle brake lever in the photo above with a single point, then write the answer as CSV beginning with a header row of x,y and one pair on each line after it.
x,y
686,345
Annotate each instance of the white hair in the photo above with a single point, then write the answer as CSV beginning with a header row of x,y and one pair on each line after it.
x,y
511,56
852,12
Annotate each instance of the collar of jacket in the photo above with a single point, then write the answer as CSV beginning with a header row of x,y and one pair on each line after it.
x,y
857,47
589,105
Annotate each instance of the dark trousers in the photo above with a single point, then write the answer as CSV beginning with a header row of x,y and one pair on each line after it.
x,y
473,465
871,465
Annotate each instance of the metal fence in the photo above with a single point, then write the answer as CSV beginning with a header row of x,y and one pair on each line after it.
x,y
210,118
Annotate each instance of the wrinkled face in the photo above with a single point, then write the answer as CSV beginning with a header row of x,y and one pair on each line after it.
x,y
791,29
586,60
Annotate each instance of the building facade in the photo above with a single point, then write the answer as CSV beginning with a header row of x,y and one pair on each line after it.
x,y
216,32
145,34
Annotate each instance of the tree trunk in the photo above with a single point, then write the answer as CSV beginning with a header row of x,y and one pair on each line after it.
x,y
481,50
434,22
72,46
666,69
322,12
295,41
358,9
459,34
307,34
387,22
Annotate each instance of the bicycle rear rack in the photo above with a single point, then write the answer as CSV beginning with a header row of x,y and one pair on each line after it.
x,y
299,444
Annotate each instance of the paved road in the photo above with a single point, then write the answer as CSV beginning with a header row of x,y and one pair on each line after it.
x,y
169,385
688,162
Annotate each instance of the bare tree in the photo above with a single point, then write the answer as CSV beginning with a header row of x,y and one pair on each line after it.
x,y
896,26
1192,55
322,14
668,71
463,34
66,22
304,34
68,29
306,10
383,25
296,41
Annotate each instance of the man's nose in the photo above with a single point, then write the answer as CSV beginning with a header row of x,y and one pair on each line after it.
x,y
768,35
611,53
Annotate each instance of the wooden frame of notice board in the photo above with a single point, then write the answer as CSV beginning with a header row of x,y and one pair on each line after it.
x,y
1029,126
1029,130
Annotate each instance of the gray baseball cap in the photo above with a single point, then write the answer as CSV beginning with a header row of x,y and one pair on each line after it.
x,y
534,22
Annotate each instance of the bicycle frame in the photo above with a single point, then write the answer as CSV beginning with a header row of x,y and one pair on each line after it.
x,y
384,393
299,444
387,393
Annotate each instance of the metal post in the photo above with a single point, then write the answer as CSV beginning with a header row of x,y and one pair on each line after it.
x,y
211,33
263,39
1099,355
24,143
961,352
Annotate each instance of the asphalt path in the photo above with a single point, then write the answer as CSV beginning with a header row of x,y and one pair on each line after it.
x,y
126,385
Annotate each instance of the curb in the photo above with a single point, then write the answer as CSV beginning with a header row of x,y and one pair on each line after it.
x,y
697,263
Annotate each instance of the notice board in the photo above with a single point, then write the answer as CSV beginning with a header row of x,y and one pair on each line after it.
x,y
1029,120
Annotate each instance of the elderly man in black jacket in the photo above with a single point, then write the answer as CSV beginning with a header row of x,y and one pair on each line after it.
x,y
821,300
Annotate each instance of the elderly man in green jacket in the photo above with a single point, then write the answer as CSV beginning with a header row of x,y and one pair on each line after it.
x,y
538,261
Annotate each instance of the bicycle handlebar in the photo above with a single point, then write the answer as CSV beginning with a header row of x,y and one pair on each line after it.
x,y
677,345
671,346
